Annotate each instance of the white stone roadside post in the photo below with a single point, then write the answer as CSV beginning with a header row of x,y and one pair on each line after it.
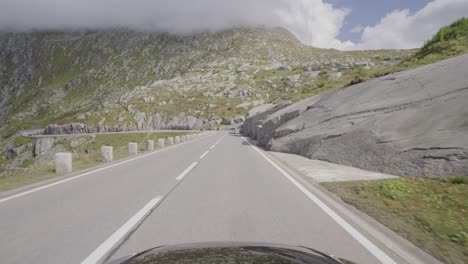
x,y
150,145
107,153
63,163
160,142
183,138
177,139
132,148
170,141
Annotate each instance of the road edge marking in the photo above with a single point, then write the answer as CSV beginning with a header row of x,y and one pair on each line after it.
x,y
366,243
14,196
100,253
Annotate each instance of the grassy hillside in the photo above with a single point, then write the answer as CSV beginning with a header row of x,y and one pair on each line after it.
x,y
448,42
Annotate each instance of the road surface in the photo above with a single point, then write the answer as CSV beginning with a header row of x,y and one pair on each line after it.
x,y
217,188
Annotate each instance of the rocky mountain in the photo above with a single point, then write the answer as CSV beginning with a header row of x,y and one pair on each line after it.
x,y
74,82
412,123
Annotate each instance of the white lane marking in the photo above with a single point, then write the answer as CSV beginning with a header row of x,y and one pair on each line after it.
x,y
118,237
186,171
371,247
204,154
87,173
220,139
212,147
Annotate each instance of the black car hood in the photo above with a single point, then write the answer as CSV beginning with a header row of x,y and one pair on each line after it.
x,y
230,253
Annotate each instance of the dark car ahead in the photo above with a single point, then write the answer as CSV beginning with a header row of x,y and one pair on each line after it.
x,y
230,253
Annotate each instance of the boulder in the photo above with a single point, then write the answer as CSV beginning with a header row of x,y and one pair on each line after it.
x,y
72,83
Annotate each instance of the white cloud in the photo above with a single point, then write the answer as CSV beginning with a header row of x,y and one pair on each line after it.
x,y
357,29
313,21
402,30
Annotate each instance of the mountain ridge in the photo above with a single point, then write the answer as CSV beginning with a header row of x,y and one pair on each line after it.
x,y
49,78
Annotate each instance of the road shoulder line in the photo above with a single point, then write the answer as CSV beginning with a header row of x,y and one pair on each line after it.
x,y
399,246
366,243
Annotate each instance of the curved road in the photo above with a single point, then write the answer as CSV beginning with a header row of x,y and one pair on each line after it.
x,y
216,188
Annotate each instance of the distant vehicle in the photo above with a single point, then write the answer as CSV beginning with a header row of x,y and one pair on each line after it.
x,y
230,253
232,130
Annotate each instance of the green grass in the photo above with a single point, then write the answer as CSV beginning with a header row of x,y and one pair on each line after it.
x,y
21,140
455,31
85,156
448,42
21,177
89,154
432,213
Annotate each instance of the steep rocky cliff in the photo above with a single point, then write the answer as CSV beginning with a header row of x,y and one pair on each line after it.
x,y
412,123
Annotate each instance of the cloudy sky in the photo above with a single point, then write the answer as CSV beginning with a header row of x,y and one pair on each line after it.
x,y
341,24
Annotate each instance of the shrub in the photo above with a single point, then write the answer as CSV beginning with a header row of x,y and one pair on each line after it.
x,y
323,73
456,30
395,190
226,122
320,84
21,140
460,237
458,180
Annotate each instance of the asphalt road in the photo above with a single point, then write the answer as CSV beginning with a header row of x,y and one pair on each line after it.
x,y
217,188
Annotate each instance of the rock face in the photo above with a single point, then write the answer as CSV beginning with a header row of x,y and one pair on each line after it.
x,y
72,128
180,122
42,145
412,123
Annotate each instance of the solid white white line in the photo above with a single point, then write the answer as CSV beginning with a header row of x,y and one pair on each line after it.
x,y
212,147
85,174
186,171
371,247
115,239
204,154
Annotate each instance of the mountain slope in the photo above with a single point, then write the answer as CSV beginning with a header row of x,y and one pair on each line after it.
x,y
118,80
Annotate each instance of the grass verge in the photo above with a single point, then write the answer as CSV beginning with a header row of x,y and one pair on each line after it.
x,y
85,155
432,213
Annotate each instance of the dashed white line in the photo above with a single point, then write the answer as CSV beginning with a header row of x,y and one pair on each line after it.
x,y
204,154
85,174
371,247
186,171
119,236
